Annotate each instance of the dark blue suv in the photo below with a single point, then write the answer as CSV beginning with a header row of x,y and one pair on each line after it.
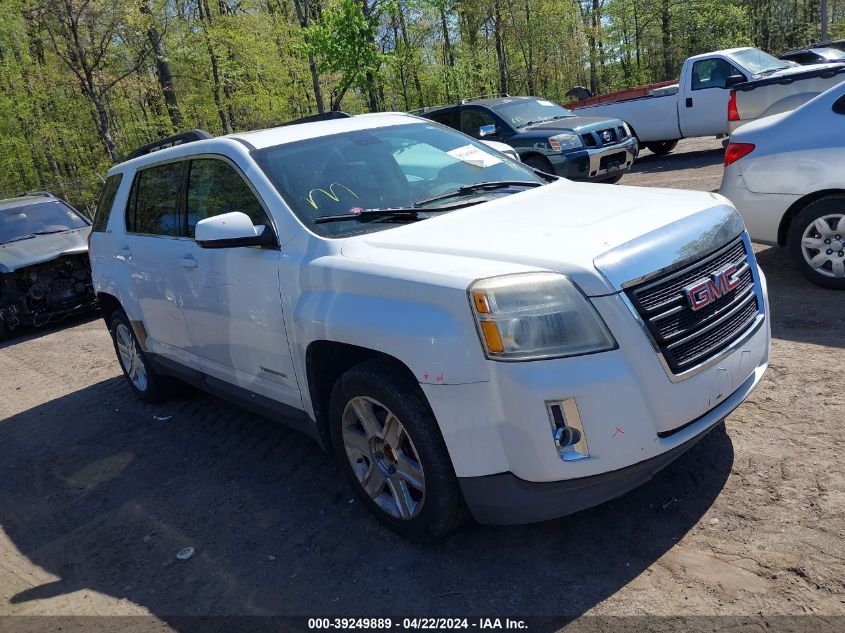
x,y
545,135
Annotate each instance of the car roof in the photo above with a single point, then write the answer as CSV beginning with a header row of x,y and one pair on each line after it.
x,y
260,139
724,51
26,200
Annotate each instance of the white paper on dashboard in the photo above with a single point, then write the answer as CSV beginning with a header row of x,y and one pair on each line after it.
x,y
474,156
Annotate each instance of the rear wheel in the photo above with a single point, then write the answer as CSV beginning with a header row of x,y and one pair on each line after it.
x,y
661,148
816,242
144,380
539,162
393,452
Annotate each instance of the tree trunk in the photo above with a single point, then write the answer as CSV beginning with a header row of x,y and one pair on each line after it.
x,y
668,70
163,71
447,49
501,54
407,41
303,17
205,15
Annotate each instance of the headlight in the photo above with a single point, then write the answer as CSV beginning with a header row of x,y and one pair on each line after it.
x,y
536,315
627,129
567,140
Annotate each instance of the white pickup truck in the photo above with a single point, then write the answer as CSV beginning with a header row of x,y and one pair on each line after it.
x,y
698,104
448,321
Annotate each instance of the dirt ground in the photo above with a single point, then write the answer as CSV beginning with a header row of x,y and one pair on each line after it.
x,y
97,497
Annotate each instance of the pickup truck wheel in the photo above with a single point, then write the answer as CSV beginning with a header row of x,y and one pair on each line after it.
x,y
816,242
661,148
539,162
394,453
143,379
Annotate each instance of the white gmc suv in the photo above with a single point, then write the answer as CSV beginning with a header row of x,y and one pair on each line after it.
x,y
468,334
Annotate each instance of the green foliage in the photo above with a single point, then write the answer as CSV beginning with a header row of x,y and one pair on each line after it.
x,y
245,63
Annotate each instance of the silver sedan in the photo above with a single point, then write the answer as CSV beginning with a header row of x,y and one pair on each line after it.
x,y
786,175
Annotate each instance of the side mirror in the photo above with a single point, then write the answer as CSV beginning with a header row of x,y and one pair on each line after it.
x,y
733,80
486,130
230,230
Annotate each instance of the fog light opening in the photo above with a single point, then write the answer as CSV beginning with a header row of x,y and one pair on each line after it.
x,y
567,430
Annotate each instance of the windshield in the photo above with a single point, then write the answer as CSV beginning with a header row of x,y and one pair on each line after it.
x,y
38,218
757,62
383,168
522,112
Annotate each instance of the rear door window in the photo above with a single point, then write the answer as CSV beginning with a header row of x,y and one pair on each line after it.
x,y
214,188
104,204
154,202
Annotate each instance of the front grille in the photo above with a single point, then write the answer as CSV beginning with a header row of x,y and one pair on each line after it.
x,y
688,337
600,138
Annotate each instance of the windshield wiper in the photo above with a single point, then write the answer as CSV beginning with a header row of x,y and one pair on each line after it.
x,y
19,238
478,186
408,214
51,232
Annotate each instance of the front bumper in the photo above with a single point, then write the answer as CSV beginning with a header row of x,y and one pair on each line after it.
x,y
635,419
505,499
596,164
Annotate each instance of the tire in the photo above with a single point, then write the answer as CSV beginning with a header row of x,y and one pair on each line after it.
x,y
612,180
406,468
147,384
539,162
661,148
820,223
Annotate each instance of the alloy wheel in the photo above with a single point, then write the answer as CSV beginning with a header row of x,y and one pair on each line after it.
x,y
383,457
130,357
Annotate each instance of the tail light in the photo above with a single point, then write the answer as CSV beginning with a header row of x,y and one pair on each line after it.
x,y
735,151
733,113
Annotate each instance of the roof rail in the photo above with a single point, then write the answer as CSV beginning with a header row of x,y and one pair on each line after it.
x,y
493,96
170,141
322,116
32,194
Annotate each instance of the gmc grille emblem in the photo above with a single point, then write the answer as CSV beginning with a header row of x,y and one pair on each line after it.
x,y
705,291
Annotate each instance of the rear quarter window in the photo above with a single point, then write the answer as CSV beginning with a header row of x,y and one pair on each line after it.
x,y
105,203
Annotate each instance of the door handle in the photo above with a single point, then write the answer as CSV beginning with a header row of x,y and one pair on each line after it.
x,y
125,252
188,262
689,102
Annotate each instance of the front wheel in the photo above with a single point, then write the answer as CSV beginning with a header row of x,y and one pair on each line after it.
x,y
661,148
539,162
393,452
816,242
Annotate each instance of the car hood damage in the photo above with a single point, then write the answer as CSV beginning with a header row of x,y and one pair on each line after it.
x,y
42,248
632,233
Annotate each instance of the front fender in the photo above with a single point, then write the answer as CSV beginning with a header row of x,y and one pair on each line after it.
x,y
427,327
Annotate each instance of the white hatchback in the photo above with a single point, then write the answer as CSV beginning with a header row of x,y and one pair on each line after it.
x,y
786,176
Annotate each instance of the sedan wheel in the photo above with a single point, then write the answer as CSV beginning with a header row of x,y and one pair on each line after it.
x,y
823,245
816,241
383,457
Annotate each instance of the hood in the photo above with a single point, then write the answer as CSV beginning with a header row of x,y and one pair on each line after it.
x,y
601,236
42,248
574,123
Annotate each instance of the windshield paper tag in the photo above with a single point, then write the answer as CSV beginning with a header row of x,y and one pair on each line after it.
x,y
474,156
542,102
